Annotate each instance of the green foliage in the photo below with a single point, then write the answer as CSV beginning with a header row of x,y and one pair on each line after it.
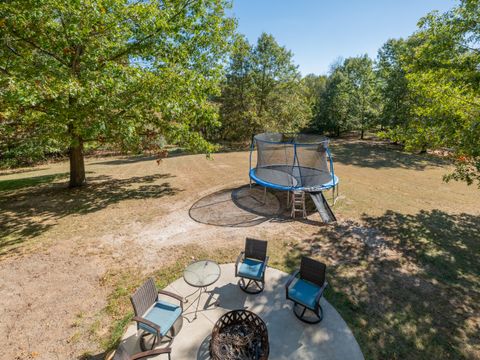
x,y
364,104
333,115
262,91
393,84
110,71
314,90
443,76
350,99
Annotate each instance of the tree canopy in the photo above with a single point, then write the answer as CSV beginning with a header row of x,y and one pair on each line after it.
x,y
262,91
109,71
443,74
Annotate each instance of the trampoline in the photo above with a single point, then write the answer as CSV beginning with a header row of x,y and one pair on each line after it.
x,y
293,162
297,163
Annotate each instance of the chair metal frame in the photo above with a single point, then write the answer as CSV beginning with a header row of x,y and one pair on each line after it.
x,y
122,354
257,250
142,301
313,271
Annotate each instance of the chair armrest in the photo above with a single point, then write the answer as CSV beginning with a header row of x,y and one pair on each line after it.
x,y
139,319
239,258
144,354
172,295
292,277
320,294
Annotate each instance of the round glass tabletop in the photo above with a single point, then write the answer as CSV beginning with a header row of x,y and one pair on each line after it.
x,y
201,273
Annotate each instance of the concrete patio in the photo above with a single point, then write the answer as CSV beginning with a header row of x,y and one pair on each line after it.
x,y
289,338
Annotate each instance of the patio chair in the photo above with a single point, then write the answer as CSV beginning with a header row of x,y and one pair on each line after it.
x,y
305,288
122,354
251,265
154,316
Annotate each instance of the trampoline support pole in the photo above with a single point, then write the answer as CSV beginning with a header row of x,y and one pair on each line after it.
x,y
335,198
264,195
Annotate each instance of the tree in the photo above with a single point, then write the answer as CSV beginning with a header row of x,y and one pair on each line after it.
x,y
362,84
393,85
110,71
262,91
335,102
272,68
443,75
237,102
315,86
350,99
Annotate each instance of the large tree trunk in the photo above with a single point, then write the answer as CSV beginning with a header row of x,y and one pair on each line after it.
x,y
77,166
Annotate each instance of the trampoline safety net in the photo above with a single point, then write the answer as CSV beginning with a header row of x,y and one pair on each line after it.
x,y
293,162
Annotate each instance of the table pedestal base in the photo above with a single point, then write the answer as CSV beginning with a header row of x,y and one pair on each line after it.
x,y
201,290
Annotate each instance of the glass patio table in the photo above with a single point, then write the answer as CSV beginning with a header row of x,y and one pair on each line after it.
x,y
201,274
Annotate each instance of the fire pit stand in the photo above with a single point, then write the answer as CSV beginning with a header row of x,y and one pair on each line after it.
x,y
239,335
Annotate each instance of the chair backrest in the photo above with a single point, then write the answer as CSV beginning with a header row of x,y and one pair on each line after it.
x,y
256,249
121,353
145,296
312,270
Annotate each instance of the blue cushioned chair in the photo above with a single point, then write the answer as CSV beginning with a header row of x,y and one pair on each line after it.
x,y
251,265
154,316
305,288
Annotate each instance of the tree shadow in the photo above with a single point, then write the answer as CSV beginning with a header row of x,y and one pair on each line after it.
x,y
20,171
377,154
28,212
126,161
16,184
406,284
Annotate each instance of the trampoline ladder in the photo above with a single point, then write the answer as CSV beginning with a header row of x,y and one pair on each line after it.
x,y
298,204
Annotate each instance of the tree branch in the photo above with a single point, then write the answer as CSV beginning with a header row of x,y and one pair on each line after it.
x,y
34,45
145,38
5,71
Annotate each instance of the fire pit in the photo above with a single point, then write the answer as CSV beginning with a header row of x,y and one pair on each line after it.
x,y
239,335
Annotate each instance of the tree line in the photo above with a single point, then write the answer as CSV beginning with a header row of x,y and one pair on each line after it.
x,y
422,92
134,75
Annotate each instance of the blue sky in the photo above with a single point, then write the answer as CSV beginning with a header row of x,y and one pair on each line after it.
x,y
319,31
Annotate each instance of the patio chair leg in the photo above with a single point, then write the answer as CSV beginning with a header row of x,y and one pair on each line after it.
x,y
260,285
319,316
143,346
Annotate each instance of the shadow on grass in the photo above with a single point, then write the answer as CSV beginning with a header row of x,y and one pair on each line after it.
x,y
377,155
28,212
15,184
141,158
407,285
126,160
